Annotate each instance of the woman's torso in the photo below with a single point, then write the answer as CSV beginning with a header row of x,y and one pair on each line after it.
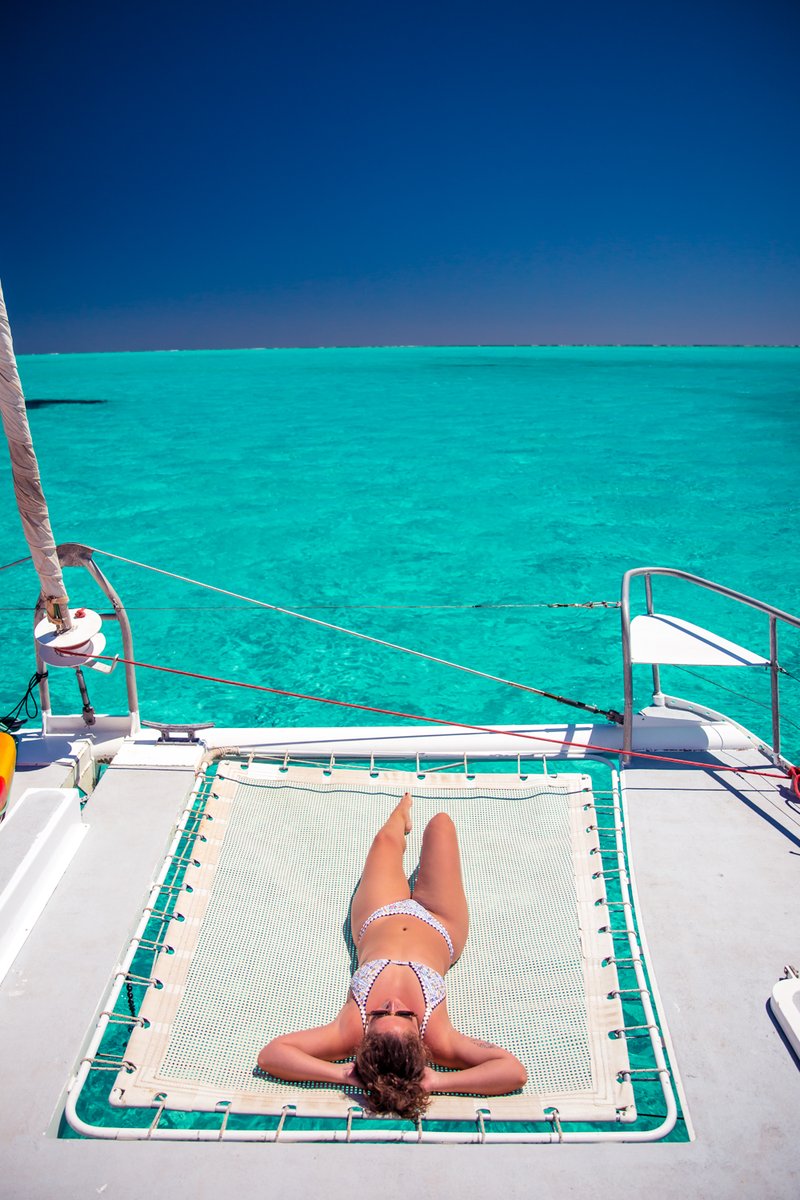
x,y
404,939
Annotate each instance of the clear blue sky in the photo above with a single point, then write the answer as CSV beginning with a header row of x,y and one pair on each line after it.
x,y
249,174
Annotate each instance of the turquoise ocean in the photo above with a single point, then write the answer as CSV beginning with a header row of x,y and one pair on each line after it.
x,y
441,498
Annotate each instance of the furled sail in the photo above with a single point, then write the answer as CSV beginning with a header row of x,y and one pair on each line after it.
x,y
27,481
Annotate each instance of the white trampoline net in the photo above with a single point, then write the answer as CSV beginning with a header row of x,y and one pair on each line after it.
x,y
264,947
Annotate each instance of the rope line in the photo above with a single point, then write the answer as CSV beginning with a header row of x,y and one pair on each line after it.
x,y
14,720
388,712
445,662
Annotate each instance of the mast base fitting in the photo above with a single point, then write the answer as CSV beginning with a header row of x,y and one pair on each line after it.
x,y
57,609
77,646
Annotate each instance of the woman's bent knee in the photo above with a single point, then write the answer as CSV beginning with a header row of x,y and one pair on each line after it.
x,y
442,822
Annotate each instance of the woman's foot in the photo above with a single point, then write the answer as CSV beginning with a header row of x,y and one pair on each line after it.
x,y
405,808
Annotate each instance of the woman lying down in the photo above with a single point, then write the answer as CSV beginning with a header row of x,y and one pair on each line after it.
x,y
395,1020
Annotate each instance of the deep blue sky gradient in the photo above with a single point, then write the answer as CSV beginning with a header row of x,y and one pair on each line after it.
x,y
251,174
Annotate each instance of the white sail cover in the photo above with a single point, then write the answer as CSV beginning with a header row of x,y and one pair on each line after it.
x,y
27,481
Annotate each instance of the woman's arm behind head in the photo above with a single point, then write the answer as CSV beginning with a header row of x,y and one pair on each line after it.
x,y
478,1068
310,1054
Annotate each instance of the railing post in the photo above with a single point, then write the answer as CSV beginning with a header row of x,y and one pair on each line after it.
x,y
127,637
627,669
776,702
41,670
657,694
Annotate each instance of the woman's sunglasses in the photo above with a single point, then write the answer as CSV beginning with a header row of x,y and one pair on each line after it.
x,y
400,1012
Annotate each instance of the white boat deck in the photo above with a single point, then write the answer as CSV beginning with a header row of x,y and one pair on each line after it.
x,y
716,859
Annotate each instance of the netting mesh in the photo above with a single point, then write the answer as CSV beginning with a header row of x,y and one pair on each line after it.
x,y
264,946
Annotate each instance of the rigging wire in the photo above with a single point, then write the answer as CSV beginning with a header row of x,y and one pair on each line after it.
x,y
734,692
16,562
610,713
334,607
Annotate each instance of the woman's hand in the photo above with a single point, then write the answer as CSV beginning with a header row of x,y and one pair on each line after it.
x,y
430,1079
350,1077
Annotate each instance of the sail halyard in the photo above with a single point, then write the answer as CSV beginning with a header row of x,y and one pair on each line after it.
x,y
28,484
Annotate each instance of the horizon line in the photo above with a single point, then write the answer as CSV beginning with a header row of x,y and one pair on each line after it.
x,y
434,346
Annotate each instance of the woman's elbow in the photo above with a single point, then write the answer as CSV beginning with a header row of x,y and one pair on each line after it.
x,y
268,1059
517,1075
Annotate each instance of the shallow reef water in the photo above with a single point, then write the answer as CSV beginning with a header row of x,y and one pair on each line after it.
x,y
438,497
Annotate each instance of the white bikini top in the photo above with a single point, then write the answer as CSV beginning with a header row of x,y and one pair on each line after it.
x,y
431,982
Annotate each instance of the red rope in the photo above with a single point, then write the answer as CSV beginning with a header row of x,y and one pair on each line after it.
x,y
794,775
388,712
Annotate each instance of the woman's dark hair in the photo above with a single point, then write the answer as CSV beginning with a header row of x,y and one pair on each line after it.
x,y
391,1066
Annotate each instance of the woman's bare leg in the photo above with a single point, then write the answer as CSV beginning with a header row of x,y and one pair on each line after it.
x,y
383,879
439,886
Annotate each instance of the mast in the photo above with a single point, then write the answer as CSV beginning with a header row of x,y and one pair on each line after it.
x,y
64,638
28,484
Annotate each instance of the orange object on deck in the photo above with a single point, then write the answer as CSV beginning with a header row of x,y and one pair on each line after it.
x,y
8,759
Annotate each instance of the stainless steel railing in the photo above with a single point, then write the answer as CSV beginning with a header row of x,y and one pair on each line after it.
x,y
774,615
